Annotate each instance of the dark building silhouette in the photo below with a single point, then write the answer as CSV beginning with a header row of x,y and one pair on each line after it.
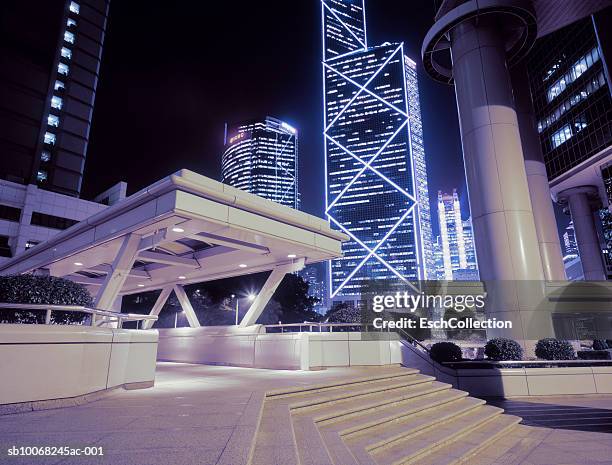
x,y
50,54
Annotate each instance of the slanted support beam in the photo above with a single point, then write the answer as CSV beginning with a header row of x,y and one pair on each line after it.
x,y
268,289
159,303
181,295
121,268
174,260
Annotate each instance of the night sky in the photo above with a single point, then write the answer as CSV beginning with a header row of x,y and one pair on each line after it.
x,y
174,72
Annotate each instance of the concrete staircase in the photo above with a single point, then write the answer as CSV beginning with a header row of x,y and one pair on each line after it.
x,y
396,416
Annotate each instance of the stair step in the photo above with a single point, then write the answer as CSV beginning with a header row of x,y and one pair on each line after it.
x,y
385,435
463,450
353,424
312,388
325,399
369,405
336,435
413,448
511,449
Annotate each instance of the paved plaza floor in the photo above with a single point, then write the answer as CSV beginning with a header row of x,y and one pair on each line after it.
x,y
197,414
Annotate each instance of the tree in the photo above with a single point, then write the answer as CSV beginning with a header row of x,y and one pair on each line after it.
x,y
295,303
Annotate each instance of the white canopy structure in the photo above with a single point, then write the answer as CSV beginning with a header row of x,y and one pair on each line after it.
x,y
183,229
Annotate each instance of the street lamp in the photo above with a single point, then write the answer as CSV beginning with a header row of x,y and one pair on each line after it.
x,y
251,297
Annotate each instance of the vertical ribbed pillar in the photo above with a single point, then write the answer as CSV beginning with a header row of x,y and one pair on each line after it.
x,y
504,228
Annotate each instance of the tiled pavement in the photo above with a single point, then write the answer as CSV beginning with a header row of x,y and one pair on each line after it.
x,y
200,414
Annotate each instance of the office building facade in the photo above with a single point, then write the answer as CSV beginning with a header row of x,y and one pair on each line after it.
x,y
50,54
261,157
376,184
572,98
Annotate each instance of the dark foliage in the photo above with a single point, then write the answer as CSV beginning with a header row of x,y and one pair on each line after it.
x,y
554,349
445,352
30,289
503,349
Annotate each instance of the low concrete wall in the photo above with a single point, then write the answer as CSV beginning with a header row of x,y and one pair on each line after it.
x,y
252,347
514,382
45,362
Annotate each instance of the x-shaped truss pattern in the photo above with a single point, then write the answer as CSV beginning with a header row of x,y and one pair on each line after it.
x,y
369,168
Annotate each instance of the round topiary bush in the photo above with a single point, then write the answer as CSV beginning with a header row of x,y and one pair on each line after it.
x,y
445,352
554,349
30,289
503,349
600,344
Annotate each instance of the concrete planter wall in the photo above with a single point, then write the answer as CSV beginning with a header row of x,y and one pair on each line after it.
x,y
50,362
515,382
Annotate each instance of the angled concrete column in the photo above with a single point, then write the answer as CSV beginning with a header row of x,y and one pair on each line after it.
x,y
537,179
268,289
581,202
181,295
121,267
159,303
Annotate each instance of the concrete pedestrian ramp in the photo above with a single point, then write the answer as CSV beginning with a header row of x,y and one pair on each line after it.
x,y
396,416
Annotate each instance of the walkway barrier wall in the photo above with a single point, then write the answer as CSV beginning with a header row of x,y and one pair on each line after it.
x,y
253,347
50,362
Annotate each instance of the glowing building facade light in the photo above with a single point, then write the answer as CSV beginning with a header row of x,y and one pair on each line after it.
x,y
261,157
376,182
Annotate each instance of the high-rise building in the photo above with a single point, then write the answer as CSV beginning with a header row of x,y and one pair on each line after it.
x,y
316,287
456,240
376,182
261,157
49,64
569,241
572,99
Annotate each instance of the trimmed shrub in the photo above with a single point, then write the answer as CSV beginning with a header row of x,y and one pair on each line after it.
x,y
30,289
609,342
600,344
593,355
445,352
503,349
554,349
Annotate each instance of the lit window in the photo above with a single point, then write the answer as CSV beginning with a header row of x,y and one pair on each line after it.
x,y
53,120
71,22
59,85
66,53
560,136
45,156
576,70
69,37
62,68
580,123
49,138
75,8
41,175
56,102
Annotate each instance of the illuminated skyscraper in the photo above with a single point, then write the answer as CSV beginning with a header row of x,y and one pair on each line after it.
x,y
456,240
376,178
261,157
50,53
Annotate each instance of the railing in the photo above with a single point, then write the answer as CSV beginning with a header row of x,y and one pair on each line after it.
x,y
329,327
97,317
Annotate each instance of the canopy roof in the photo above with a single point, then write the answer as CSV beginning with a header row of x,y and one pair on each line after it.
x,y
185,228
